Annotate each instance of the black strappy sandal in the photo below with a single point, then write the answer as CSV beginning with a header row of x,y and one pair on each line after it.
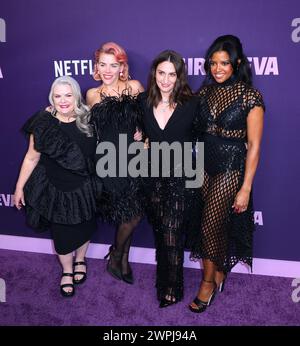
x,y
62,291
201,305
84,275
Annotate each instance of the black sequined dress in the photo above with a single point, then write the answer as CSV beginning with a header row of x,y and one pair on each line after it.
x,y
62,190
225,237
122,198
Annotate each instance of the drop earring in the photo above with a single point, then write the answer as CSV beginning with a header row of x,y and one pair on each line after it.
x,y
53,111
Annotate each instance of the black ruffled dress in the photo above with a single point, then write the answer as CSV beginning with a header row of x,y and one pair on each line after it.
x,y
61,192
122,198
224,237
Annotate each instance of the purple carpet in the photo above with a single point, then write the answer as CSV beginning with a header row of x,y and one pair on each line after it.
x,y
33,298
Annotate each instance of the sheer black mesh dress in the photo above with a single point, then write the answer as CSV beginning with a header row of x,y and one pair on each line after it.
x,y
168,200
225,237
122,198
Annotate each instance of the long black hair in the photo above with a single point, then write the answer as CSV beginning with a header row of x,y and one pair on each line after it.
x,y
181,92
239,62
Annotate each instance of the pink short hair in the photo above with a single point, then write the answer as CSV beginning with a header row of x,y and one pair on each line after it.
x,y
120,55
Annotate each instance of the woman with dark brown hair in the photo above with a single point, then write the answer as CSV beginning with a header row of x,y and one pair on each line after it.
x,y
169,110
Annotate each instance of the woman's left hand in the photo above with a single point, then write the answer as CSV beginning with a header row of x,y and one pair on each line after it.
x,y
241,201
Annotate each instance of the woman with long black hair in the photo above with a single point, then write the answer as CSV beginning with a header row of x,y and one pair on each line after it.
x,y
230,122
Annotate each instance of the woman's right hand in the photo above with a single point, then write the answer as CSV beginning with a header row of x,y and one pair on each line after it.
x,y
19,199
138,135
49,109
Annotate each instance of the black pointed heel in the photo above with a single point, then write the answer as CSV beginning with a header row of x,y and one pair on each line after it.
x,y
116,257
166,302
128,278
84,274
201,305
62,291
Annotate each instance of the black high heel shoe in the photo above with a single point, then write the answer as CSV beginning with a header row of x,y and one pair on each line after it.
x,y
201,305
116,257
62,291
166,302
222,284
128,278
84,274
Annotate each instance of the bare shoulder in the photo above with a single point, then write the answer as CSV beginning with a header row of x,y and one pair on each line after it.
x,y
92,96
92,92
135,86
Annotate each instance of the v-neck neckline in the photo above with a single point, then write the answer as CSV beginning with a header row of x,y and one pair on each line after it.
x,y
167,123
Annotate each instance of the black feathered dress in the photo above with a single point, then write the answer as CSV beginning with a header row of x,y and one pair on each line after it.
x,y
61,192
122,198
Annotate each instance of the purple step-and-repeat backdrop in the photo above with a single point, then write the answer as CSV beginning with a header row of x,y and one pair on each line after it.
x,y
40,40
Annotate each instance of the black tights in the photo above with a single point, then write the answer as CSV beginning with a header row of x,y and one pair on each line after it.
x,y
122,244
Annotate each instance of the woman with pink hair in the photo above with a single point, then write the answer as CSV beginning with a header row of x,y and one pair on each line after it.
x,y
115,111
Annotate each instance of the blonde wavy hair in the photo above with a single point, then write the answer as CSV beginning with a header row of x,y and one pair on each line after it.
x,y
82,111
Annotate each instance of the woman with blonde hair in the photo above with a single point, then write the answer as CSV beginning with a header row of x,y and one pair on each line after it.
x,y
57,184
